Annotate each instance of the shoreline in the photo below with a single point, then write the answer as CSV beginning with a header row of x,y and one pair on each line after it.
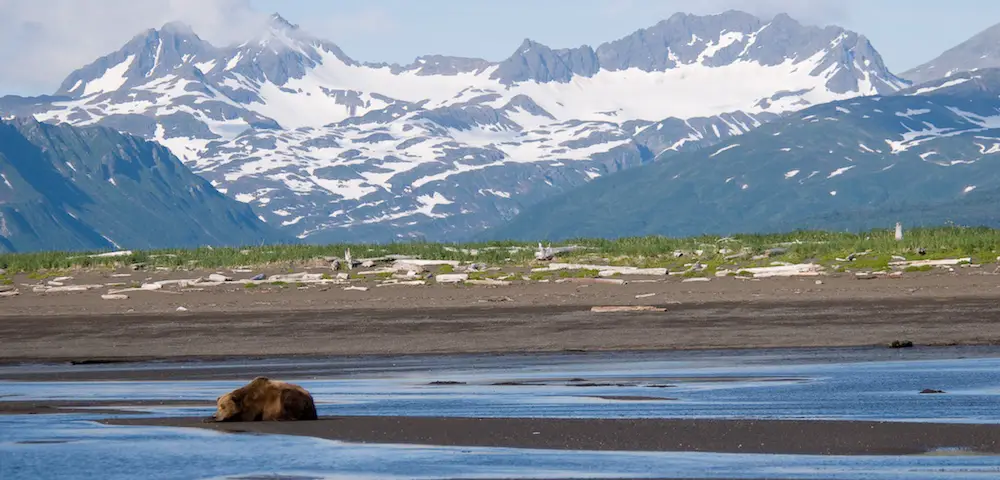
x,y
800,437
770,323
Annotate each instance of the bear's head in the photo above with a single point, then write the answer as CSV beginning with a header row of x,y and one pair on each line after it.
x,y
227,407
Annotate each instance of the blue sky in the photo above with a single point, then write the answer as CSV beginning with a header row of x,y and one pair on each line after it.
x,y
42,41
906,32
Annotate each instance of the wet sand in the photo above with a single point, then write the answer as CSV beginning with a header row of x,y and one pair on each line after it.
x,y
722,436
106,407
766,323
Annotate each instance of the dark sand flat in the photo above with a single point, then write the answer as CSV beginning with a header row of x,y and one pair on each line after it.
x,y
106,407
767,323
723,436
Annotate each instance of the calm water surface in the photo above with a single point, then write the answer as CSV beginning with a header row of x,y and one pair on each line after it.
x,y
788,384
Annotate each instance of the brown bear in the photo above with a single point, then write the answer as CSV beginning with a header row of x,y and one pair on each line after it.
x,y
264,399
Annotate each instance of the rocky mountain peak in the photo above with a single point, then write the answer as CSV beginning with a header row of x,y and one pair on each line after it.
x,y
979,52
276,21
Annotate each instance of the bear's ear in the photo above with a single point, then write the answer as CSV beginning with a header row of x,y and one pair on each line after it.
x,y
259,380
237,400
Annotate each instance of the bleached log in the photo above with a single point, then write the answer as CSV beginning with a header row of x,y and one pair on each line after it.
x,y
932,263
627,308
603,270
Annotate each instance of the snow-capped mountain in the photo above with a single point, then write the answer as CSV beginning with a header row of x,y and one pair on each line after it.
x,y
980,51
92,188
921,156
333,149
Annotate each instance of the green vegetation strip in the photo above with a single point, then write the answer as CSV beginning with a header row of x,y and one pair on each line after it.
x,y
655,251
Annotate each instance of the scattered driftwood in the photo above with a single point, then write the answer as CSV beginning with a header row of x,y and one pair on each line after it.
x,y
114,296
627,308
797,270
645,295
9,293
696,280
218,277
930,391
549,253
431,263
399,283
357,289
603,270
451,277
489,282
596,281
64,289
931,263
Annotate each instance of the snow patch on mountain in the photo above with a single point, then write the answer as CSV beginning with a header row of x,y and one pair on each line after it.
x,y
334,148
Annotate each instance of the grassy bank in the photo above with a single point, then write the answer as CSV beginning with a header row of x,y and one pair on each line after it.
x,y
872,250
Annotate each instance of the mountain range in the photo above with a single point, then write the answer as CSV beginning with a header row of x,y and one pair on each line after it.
x,y
93,188
924,155
326,148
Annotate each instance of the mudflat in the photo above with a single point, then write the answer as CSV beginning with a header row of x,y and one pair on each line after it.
x,y
958,308
723,436
772,324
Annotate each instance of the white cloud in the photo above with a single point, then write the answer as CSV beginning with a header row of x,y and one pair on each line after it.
x,y
42,41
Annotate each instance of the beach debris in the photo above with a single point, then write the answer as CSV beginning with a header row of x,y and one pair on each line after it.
x,y
930,391
898,258
921,251
794,270
696,280
932,263
452,277
645,295
592,281
819,282
678,254
3,271
627,308
865,276
9,293
182,309
901,344
603,270
380,271
65,289
429,263
549,253
347,259
258,277
412,283
406,266
947,262
895,275
489,282
152,286
220,278
899,232
114,296
121,275
121,253
775,252
296,278
356,289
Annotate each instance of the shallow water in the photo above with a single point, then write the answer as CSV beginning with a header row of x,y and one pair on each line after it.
x,y
835,384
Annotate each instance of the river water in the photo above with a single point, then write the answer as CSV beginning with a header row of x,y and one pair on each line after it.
x,y
856,384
